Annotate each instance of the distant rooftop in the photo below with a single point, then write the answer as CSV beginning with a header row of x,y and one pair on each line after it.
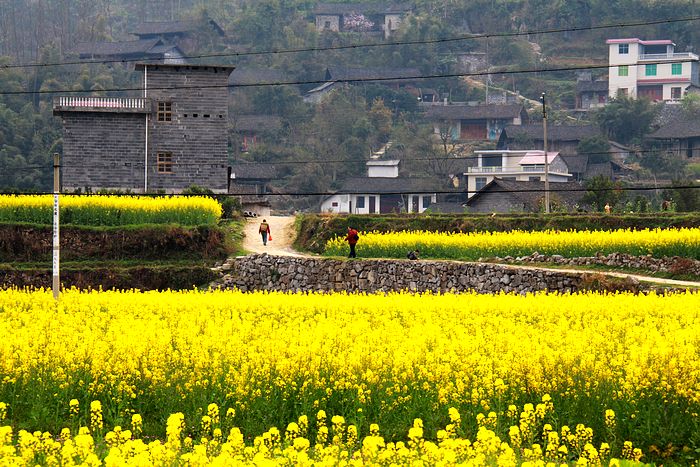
x,y
640,41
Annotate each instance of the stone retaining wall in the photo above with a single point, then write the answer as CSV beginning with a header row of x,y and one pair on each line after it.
x,y
285,273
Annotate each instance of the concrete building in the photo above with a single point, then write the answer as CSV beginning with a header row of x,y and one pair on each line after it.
x,y
651,69
516,166
172,137
383,191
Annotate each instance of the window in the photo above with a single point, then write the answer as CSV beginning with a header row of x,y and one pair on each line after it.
x,y
334,204
676,68
165,111
622,92
534,179
164,162
650,70
676,93
480,182
623,70
426,202
360,202
326,25
623,49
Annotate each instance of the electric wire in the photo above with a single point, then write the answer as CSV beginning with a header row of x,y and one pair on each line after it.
x,y
375,44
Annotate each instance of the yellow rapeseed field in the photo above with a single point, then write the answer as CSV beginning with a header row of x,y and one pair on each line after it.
x,y
110,209
386,359
683,242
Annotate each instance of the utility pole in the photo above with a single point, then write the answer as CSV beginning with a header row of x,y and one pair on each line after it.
x,y
56,237
546,158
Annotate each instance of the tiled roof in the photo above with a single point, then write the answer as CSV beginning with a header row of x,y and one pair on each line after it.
x,y
592,86
366,8
254,171
530,193
115,48
171,27
554,132
474,112
676,124
361,185
577,163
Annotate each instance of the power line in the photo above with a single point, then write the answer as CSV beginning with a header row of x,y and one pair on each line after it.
x,y
374,44
419,192
355,80
446,159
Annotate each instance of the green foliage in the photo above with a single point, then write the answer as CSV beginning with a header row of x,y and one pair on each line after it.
x,y
626,120
601,191
685,195
597,148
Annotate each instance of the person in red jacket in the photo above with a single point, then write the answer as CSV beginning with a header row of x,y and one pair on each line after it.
x,y
352,239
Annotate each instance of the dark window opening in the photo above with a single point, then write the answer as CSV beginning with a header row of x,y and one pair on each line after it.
x,y
164,162
165,111
205,115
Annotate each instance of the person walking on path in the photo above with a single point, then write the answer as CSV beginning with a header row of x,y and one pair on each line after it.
x,y
265,231
352,239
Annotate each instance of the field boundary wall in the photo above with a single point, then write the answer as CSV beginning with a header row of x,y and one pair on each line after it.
x,y
287,273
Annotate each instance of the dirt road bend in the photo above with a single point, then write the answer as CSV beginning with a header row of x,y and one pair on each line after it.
x,y
281,230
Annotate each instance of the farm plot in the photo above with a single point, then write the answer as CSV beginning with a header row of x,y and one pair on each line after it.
x,y
683,242
196,376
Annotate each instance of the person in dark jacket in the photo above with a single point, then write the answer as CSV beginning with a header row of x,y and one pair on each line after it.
x,y
352,239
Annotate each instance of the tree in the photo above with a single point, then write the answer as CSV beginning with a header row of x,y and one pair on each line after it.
x,y
601,190
625,119
596,147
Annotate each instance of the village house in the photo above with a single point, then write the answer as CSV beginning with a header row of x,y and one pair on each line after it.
x,y
375,18
591,94
516,166
561,138
383,191
484,122
170,138
501,195
186,34
678,132
406,79
652,69
152,50
250,181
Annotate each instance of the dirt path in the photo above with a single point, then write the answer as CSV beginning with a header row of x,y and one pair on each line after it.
x,y
282,231
622,275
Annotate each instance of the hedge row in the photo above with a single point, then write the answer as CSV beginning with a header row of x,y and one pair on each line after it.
x,y
316,229
161,277
34,243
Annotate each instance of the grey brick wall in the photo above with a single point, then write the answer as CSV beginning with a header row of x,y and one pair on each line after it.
x,y
107,149
103,150
196,136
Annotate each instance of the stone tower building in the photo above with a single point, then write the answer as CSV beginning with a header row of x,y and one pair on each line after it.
x,y
172,137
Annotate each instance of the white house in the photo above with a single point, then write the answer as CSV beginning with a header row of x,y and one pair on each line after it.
x,y
382,191
650,69
516,166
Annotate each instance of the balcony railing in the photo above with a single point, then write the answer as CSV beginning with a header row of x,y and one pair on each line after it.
x,y
500,169
669,56
101,104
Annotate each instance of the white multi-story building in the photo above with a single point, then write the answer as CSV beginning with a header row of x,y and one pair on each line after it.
x,y
517,166
651,69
